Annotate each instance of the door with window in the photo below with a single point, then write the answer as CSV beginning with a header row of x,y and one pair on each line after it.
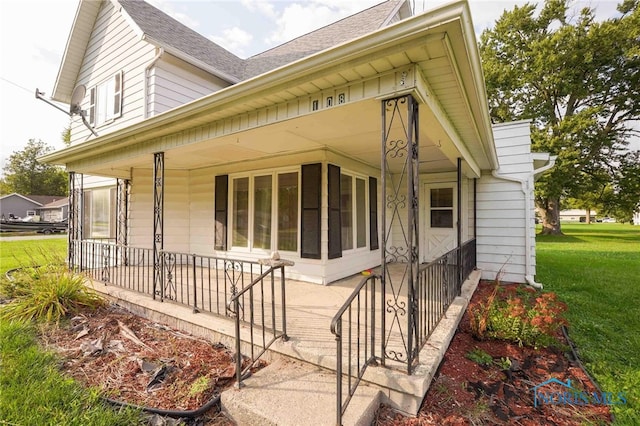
x,y
439,236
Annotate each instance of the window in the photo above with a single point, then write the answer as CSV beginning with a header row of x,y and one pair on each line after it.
x,y
441,207
105,100
265,211
353,208
99,213
288,211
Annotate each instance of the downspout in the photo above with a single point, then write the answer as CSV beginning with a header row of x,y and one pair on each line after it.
x,y
526,184
147,71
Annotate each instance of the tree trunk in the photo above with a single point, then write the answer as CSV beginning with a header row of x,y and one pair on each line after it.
x,y
588,219
550,217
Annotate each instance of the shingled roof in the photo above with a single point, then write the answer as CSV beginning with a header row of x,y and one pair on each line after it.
x,y
166,31
346,29
161,29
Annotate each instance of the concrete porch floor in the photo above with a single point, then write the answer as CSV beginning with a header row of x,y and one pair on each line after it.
x,y
299,385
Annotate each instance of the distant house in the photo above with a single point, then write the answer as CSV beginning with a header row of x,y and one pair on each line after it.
x,y
577,215
20,206
55,211
636,217
281,151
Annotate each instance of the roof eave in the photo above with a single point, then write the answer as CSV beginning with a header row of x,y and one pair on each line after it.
x,y
74,51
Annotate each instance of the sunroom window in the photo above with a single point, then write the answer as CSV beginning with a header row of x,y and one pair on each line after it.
x,y
353,211
105,100
265,211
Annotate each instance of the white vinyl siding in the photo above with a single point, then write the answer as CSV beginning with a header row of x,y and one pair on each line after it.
x,y
501,208
113,47
176,214
173,82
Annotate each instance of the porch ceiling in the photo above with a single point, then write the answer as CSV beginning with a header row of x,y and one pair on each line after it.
x,y
355,132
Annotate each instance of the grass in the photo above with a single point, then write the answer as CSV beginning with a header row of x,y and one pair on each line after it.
x,y
34,392
32,389
595,269
18,253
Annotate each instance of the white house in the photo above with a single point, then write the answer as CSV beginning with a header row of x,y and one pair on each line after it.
x,y
247,144
364,144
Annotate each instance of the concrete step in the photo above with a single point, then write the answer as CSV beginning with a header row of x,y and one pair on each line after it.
x,y
292,393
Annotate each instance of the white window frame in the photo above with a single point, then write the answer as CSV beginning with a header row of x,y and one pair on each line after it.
x,y
105,100
249,248
354,209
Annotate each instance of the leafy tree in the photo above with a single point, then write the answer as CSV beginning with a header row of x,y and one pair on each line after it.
x,y
623,197
25,175
578,80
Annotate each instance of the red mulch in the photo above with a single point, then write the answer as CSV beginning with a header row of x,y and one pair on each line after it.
x,y
465,393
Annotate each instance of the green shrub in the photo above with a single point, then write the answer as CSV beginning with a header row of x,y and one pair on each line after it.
x,y
46,294
524,317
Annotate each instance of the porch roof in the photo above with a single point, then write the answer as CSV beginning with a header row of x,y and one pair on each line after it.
x,y
448,80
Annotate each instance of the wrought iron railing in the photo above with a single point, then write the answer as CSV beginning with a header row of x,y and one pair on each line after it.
x,y
260,306
243,290
438,284
354,326
204,283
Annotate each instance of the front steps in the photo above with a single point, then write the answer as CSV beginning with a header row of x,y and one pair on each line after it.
x,y
293,393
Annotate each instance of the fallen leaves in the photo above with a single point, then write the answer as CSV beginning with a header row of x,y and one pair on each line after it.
x,y
141,362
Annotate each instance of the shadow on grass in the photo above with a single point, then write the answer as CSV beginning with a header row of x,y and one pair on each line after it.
x,y
558,239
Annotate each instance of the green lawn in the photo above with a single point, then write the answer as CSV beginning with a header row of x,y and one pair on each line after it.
x,y
595,269
18,253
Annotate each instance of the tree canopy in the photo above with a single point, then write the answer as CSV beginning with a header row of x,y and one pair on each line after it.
x,y
578,80
23,173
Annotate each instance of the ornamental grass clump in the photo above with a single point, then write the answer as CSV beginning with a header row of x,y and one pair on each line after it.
x,y
46,294
519,315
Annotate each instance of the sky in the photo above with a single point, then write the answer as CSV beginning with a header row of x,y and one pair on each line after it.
x,y
34,33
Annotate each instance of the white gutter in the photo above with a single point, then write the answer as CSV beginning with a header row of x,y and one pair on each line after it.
x,y
147,71
526,185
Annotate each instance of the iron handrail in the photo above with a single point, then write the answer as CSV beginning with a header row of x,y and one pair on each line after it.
x,y
369,344
234,307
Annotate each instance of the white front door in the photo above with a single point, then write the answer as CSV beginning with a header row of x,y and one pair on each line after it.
x,y
440,220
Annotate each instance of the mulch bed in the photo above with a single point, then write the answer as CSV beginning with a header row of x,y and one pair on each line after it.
x,y
465,392
140,362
